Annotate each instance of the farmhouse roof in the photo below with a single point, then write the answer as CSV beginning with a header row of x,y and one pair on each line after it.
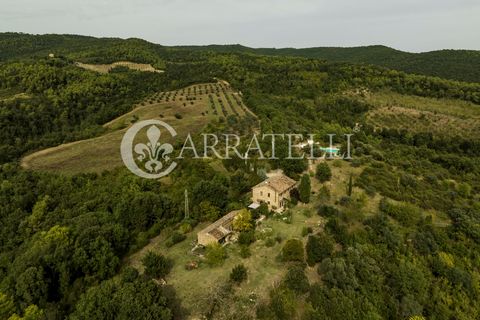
x,y
220,228
279,183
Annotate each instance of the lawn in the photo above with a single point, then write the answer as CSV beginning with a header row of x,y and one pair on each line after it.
x,y
264,268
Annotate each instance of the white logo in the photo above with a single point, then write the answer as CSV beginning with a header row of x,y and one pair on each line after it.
x,y
152,156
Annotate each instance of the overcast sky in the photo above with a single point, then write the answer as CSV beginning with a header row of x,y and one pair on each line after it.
x,y
410,25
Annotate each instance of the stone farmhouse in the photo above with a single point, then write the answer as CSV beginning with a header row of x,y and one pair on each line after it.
x,y
274,191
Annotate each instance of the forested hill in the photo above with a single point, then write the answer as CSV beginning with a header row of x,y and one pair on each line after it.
x,y
462,65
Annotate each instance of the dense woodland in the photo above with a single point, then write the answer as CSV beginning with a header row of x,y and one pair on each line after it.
x,y
63,238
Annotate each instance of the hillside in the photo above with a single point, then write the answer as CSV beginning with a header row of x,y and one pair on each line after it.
x,y
392,233
460,65
188,110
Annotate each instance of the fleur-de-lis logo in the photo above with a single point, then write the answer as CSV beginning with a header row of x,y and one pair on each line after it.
x,y
153,155
153,151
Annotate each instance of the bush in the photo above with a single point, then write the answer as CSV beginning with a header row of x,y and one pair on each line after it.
x,y
246,238
156,265
306,230
215,255
293,251
175,238
345,201
406,214
318,248
129,274
238,274
178,116
296,280
245,252
270,242
327,211
307,213
324,194
323,172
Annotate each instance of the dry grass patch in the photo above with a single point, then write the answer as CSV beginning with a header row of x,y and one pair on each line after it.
x,y
106,68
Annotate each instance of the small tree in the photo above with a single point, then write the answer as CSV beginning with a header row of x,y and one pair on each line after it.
x,y
215,254
318,248
304,189
156,265
296,280
238,274
207,211
323,172
243,221
293,251
350,185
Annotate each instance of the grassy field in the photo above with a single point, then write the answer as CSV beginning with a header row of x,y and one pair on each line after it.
x,y
187,110
442,117
105,68
264,269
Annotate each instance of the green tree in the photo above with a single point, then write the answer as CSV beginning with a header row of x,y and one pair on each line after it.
x,y
318,248
304,189
156,265
215,254
7,306
243,221
31,286
293,250
323,172
32,312
296,280
208,211
238,274
115,299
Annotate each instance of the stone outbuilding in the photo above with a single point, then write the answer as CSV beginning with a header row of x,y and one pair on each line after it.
x,y
217,231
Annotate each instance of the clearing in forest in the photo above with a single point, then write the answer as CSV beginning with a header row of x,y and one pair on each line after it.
x,y
106,68
188,110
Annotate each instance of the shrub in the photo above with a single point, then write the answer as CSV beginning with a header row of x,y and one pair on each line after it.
x,y
156,265
129,274
345,201
245,252
238,274
405,213
246,238
178,116
175,238
323,172
215,255
185,228
293,251
318,248
324,194
307,213
327,211
306,230
270,242
296,280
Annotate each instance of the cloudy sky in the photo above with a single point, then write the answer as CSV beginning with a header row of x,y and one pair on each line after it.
x,y
411,25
